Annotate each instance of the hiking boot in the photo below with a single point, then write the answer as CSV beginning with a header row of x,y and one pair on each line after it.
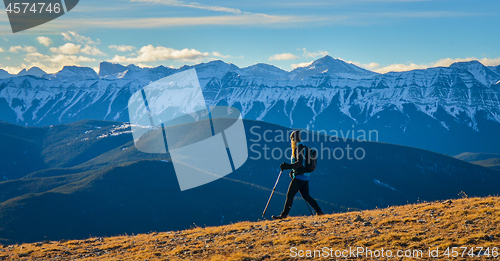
x,y
278,217
320,213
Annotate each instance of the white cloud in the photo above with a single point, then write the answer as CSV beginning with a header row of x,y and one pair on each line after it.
x,y
92,50
16,49
69,59
67,48
225,20
283,57
399,67
67,36
295,66
2,50
219,55
122,48
31,57
191,5
71,48
369,66
314,55
490,62
72,36
13,70
53,63
144,65
44,40
149,53
238,18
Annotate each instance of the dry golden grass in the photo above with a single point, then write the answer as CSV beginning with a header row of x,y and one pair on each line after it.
x,y
469,222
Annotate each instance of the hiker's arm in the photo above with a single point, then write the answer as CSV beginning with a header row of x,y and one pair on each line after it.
x,y
296,165
285,166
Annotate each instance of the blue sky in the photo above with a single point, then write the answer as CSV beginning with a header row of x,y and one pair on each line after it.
x,y
377,35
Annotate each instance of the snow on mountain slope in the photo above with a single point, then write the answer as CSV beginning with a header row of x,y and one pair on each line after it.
x,y
4,74
455,89
74,74
326,94
331,66
262,70
107,69
482,73
495,68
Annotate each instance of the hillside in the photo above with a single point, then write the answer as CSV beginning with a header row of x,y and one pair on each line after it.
x,y
65,148
120,190
489,160
490,163
469,156
464,224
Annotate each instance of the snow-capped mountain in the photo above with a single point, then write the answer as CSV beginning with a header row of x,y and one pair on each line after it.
x,y
34,71
330,66
4,74
73,74
431,108
108,69
495,68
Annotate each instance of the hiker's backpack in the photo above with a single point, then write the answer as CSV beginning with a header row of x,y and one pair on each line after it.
x,y
311,159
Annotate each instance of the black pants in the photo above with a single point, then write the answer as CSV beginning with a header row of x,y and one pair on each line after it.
x,y
295,186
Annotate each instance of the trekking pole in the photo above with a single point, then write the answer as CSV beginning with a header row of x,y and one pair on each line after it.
x,y
274,188
309,208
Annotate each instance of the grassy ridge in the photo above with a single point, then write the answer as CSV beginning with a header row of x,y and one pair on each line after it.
x,y
468,222
490,163
489,160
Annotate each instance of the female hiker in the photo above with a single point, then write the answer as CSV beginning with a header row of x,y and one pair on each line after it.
x,y
300,179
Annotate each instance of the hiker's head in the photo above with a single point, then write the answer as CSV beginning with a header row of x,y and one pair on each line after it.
x,y
295,136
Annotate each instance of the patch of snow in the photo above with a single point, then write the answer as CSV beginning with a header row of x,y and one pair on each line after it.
x,y
445,125
259,88
376,181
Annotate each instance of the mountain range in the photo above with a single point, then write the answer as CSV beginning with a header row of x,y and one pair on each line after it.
x,y
449,110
